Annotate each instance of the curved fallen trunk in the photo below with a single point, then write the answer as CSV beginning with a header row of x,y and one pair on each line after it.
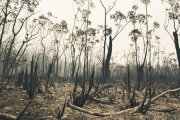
x,y
130,110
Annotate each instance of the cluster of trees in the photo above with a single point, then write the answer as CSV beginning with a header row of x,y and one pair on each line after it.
x,y
77,52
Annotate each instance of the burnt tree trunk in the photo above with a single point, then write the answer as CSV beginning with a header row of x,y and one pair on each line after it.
x,y
129,81
176,42
57,67
108,57
73,63
65,67
48,76
140,75
31,95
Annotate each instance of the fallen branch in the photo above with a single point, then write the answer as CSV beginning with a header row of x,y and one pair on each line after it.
x,y
97,93
49,92
60,114
99,101
5,116
168,91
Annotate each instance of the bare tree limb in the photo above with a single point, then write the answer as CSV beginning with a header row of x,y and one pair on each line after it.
x,y
168,91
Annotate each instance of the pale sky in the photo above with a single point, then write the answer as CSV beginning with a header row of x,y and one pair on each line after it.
x,y
63,9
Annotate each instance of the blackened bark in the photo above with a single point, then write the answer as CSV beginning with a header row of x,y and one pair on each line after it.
x,y
73,63
176,42
128,85
103,66
48,76
140,75
57,67
108,58
31,96
73,70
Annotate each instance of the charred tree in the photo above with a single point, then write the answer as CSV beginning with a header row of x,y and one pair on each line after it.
x,y
79,100
33,80
48,76
108,57
26,81
20,78
176,42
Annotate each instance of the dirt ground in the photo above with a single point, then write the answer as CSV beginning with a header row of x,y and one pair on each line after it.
x,y
46,107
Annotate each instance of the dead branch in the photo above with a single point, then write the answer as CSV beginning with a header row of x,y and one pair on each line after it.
x,y
168,91
98,92
5,116
60,114
20,115
123,86
102,102
49,92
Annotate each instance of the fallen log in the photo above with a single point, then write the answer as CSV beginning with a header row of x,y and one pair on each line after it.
x,y
130,110
168,91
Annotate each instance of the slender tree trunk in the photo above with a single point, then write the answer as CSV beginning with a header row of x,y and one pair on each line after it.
x,y
43,62
4,22
43,67
107,75
137,66
65,67
176,42
129,81
87,69
141,67
57,67
73,64
103,66
6,63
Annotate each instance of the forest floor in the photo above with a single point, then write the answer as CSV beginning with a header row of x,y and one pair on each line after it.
x,y
46,107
